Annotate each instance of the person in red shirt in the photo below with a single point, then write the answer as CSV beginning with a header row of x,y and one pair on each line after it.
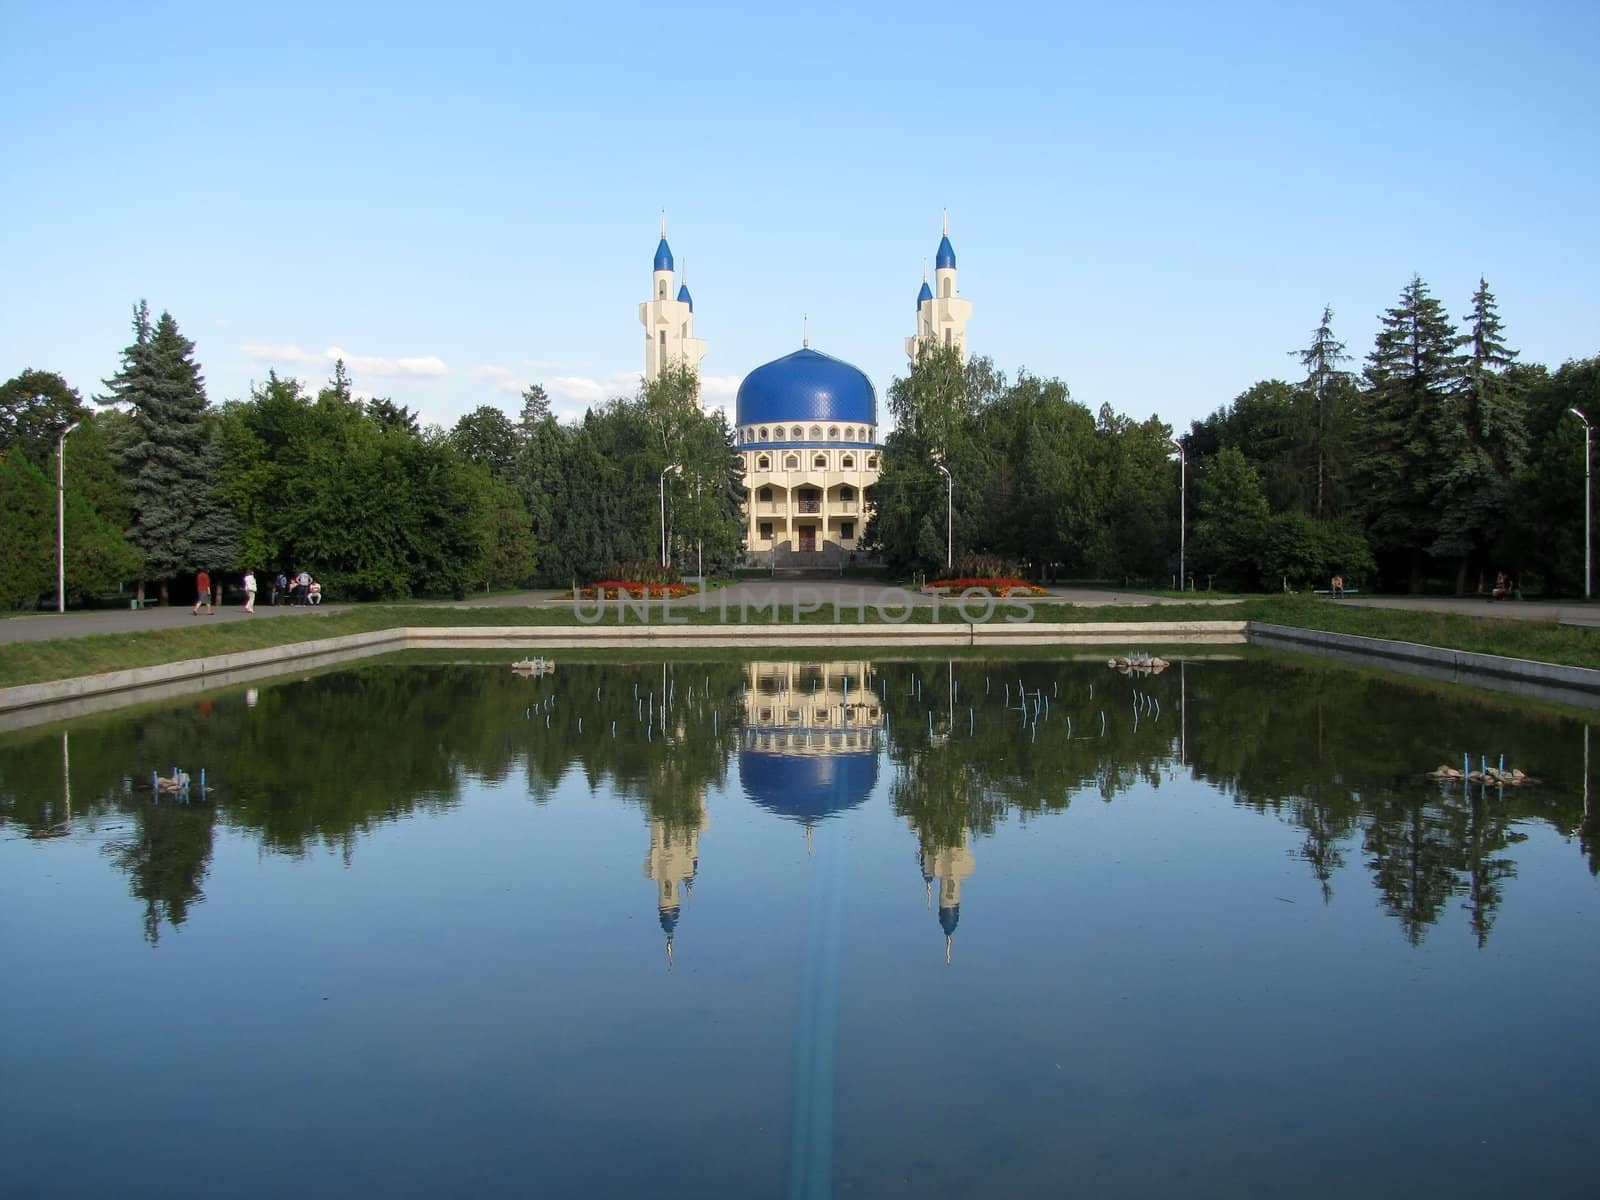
x,y
202,593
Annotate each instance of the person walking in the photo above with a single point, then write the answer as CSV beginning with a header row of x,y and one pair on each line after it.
x,y
249,591
202,593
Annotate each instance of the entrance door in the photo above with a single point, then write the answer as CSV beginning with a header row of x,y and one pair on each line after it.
x,y
808,538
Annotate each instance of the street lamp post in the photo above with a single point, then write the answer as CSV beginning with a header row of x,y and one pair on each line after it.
x,y
1183,511
1588,542
61,517
949,516
665,471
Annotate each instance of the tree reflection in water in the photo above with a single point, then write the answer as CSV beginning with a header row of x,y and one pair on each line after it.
x,y
319,763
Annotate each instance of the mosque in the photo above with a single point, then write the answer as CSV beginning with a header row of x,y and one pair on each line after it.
x,y
806,424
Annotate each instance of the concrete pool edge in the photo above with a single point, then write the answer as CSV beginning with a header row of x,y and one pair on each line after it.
x,y
277,659
1521,676
89,692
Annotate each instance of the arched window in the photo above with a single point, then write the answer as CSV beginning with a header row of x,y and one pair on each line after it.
x,y
763,434
849,433
820,462
796,433
847,493
816,433
763,464
833,433
849,462
872,462
661,290
792,463
764,494
944,287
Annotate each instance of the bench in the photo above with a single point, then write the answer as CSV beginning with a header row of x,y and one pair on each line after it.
x,y
1343,592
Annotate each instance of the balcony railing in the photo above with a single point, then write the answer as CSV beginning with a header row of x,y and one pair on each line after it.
x,y
808,506
842,506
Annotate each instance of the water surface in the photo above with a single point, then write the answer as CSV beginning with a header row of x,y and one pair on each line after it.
x,y
882,928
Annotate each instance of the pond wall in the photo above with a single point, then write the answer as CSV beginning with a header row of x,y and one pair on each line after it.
x,y
61,699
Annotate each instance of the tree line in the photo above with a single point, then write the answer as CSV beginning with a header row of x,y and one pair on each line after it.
x,y
161,483
1443,462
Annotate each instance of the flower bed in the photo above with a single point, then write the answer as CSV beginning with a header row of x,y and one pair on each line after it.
x,y
989,584
617,589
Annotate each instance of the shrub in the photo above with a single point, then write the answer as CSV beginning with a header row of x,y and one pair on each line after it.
x,y
986,566
635,571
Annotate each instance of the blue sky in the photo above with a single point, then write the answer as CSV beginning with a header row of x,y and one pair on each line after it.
x,y
1150,201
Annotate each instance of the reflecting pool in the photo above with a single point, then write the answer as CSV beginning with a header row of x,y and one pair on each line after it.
x,y
982,927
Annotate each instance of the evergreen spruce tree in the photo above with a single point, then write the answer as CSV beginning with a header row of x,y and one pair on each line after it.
x,y
1485,439
216,530
1410,376
1320,411
163,456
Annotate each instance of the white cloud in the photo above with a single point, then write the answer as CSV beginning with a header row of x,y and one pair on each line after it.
x,y
268,352
720,391
502,379
427,365
410,367
572,395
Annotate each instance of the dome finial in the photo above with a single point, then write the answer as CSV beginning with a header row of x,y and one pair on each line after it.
x,y
924,269
805,330
945,231
663,222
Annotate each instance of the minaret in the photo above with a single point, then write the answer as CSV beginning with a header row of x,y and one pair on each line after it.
x,y
941,312
673,861
668,318
949,866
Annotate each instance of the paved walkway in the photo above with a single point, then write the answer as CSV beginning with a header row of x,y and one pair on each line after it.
x,y
38,627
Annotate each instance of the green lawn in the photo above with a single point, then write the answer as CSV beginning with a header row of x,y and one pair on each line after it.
x,y
32,662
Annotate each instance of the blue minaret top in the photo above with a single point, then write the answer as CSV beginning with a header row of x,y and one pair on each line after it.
x,y
664,255
946,258
925,294
683,292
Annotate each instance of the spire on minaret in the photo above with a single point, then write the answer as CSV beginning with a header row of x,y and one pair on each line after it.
x,y
668,317
942,313
944,230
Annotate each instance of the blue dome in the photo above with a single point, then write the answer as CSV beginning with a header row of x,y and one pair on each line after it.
x,y
808,787
949,918
684,297
807,386
925,294
668,918
663,256
945,258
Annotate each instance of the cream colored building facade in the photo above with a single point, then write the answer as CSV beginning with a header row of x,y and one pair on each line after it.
x,y
808,485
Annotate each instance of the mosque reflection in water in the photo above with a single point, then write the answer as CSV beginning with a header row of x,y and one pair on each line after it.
x,y
809,746
953,747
